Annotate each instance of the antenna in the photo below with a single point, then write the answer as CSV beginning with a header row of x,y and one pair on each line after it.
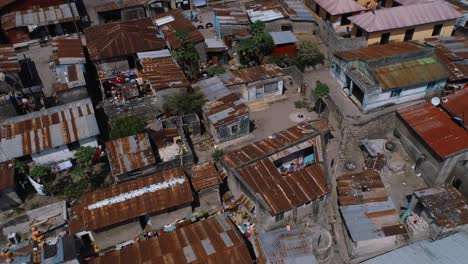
x,y
435,101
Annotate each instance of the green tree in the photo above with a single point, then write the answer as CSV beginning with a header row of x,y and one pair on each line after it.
x,y
264,44
84,156
321,91
247,51
42,174
255,48
256,27
183,103
217,155
215,70
21,167
187,56
308,55
126,126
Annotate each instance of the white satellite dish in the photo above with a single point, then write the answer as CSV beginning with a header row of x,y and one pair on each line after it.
x,y
435,101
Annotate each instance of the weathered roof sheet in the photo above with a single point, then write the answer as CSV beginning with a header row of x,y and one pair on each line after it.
x,y
453,53
215,45
339,7
404,16
40,16
4,3
212,240
122,38
445,205
297,11
8,59
251,74
436,128
175,21
128,200
448,250
377,52
162,72
283,193
230,13
225,110
263,10
121,4
361,187
212,88
52,127
68,76
7,174
204,176
409,73
287,246
68,51
283,37
130,153
456,104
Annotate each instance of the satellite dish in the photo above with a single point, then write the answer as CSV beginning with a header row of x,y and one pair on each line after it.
x,y
435,101
2,76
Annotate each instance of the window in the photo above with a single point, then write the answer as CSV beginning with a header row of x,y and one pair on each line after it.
x,y
317,9
385,38
259,92
409,34
234,129
279,217
437,30
395,93
327,17
359,32
345,20
271,87
431,85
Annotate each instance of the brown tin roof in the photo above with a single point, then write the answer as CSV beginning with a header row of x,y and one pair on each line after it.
x,y
251,74
122,38
228,107
453,53
213,240
7,174
377,52
163,73
116,5
8,59
130,153
456,104
125,201
204,176
68,51
359,188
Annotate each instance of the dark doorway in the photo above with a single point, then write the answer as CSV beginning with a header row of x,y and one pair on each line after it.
x,y
358,93
385,38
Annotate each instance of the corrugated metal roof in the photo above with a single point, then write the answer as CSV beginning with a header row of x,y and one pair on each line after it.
x,y
287,247
413,2
7,174
404,16
378,52
187,244
163,73
204,176
215,45
437,129
86,218
180,23
122,38
445,204
52,127
4,3
297,11
225,110
68,51
40,16
251,74
410,73
8,59
453,53
283,37
212,88
449,250
119,4
361,187
456,104
339,7
130,153
265,10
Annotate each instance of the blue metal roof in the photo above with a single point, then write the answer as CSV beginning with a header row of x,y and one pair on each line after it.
x,y
283,37
449,250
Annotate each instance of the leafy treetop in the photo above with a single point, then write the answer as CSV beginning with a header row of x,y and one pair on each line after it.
x,y
126,126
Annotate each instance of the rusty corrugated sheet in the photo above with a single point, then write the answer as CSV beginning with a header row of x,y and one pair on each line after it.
x,y
180,23
8,59
122,38
246,202
7,174
377,52
68,51
445,205
130,153
204,176
453,53
189,244
39,16
4,3
457,105
361,187
251,74
116,5
163,73
410,73
84,218
436,128
405,16
226,110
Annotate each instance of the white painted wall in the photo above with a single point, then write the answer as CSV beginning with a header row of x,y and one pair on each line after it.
x,y
252,92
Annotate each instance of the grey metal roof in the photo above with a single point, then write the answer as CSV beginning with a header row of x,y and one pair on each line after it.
x,y
283,37
154,54
302,13
287,247
449,250
212,88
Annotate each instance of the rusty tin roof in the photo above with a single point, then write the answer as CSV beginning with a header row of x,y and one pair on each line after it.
x,y
175,21
213,240
39,16
377,52
122,38
445,205
437,129
68,51
204,176
251,74
130,153
456,104
453,53
128,200
225,110
7,174
8,59
116,5
50,128
4,3
361,187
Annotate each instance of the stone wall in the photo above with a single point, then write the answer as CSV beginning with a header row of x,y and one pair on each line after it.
x,y
296,75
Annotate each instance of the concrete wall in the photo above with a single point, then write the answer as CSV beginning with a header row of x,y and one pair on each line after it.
x,y
160,219
366,249
9,199
421,32
306,28
61,153
252,89
147,108
72,95
276,25
209,198
224,132
7,108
